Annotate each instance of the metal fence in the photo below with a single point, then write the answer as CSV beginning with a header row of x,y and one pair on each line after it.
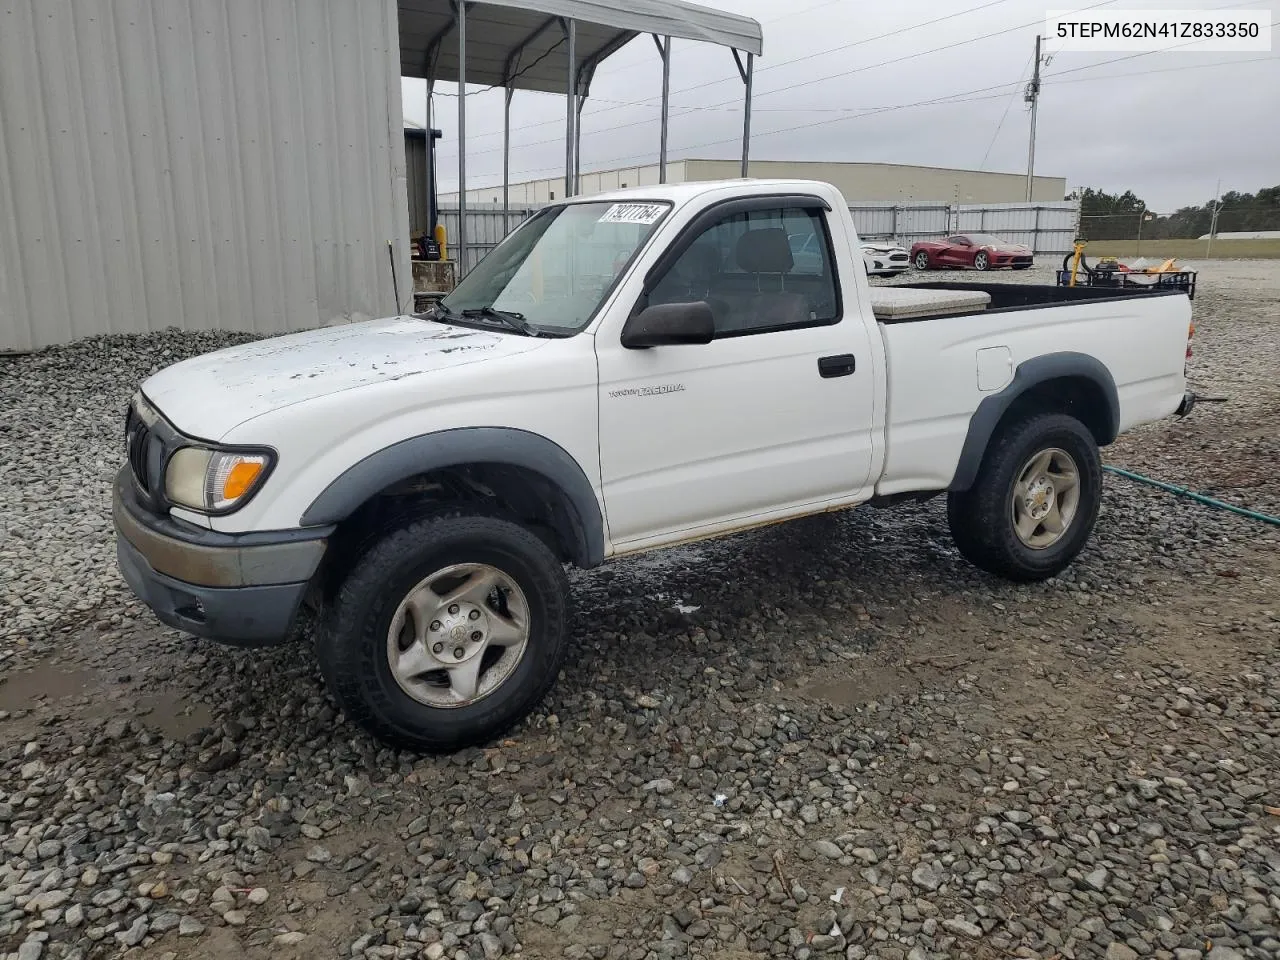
x,y
485,227
1047,228
1044,227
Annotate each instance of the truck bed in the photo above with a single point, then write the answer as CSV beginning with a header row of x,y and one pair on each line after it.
x,y
941,367
1021,296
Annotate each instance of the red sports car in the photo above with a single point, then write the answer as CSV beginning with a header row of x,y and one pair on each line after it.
x,y
981,251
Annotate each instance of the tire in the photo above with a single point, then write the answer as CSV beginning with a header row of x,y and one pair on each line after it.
x,y
354,643
922,260
981,261
984,519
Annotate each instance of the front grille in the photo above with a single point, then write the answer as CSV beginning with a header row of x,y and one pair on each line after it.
x,y
138,445
899,256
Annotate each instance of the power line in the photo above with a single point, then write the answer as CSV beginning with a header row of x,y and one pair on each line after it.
x,y
515,76
623,126
727,103
964,97
789,15
648,101
847,73
1004,115
635,123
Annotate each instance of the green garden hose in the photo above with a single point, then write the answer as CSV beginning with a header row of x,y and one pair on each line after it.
x,y
1198,497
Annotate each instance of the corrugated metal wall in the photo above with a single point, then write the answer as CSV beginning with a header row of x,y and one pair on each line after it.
x,y
232,164
1045,227
905,222
484,227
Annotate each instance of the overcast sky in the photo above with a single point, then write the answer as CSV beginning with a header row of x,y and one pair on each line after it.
x,y
1167,125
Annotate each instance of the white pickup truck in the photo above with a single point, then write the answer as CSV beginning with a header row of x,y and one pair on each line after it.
x,y
622,373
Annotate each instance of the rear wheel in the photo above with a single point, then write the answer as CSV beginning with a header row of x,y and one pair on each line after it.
x,y
981,261
1034,502
922,260
446,632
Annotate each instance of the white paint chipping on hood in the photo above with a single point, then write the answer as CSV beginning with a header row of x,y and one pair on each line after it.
x,y
207,396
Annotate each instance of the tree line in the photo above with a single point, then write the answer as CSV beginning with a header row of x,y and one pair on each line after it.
x,y
1108,216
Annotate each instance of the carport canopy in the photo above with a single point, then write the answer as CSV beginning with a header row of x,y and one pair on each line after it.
x,y
555,46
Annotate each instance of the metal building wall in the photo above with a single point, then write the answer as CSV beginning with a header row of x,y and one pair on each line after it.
x,y
883,182
233,164
893,181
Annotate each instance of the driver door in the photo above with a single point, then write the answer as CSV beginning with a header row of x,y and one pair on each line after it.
x,y
958,253
772,416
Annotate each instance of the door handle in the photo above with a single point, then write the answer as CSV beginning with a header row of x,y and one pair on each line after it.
x,y
841,365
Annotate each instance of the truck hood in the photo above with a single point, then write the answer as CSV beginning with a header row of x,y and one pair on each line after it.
x,y
207,396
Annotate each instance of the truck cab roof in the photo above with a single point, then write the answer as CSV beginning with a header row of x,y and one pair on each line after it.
x,y
683,193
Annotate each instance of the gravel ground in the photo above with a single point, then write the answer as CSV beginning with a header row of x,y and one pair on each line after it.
x,y
826,738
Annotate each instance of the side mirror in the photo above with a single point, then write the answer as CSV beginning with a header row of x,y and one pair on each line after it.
x,y
670,323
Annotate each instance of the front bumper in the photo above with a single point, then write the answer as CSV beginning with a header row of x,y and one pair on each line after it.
x,y
1012,260
241,589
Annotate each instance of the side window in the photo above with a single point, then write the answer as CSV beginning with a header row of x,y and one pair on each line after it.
x,y
958,241
761,270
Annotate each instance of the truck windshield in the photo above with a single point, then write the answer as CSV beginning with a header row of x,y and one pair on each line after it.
x,y
557,267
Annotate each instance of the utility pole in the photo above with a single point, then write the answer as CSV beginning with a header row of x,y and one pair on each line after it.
x,y
1213,223
1032,96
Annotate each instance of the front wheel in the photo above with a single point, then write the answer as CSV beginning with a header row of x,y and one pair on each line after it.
x,y
447,632
1034,502
981,261
922,261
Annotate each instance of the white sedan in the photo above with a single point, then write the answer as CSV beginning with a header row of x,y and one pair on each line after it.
x,y
885,258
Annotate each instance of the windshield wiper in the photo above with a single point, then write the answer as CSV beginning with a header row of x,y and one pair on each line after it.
x,y
508,318
438,312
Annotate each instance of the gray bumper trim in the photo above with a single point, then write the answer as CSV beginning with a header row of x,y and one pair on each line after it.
x,y
238,616
209,559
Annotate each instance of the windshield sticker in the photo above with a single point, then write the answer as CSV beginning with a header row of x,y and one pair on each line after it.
x,y
643,213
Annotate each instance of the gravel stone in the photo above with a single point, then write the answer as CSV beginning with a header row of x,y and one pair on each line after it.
x,y
926,877
962,928
1096,879
826,848
823,738
190,927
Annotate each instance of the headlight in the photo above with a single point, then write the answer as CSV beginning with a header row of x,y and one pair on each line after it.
x,y
213,481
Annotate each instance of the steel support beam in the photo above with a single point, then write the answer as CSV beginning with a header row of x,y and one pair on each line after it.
x,y
577,148
506,161
664,50
571,116
462,139
747,74
430,163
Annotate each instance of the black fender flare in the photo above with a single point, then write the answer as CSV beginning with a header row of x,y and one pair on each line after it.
x,y
1032,373
458,447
